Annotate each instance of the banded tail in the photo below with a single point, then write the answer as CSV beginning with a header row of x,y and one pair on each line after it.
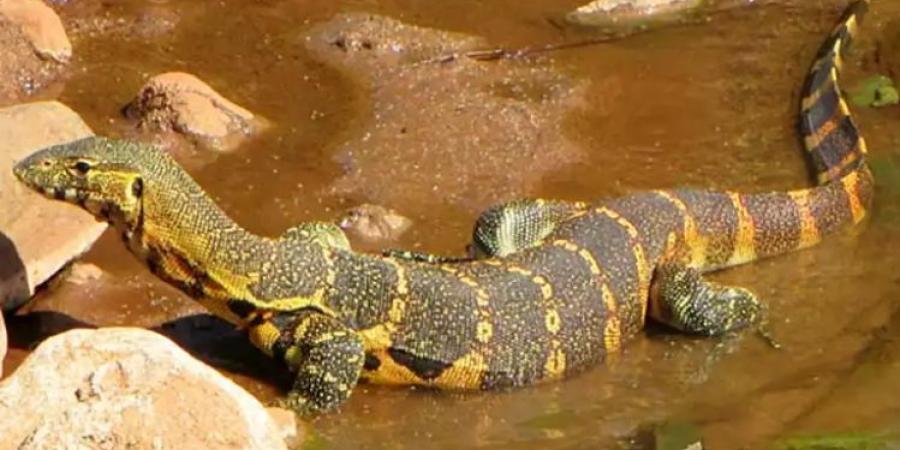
x,y
735,228
830,135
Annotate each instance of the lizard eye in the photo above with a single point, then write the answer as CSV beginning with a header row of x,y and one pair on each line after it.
x,y
82,167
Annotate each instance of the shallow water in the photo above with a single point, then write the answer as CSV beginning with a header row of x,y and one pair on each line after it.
x,y
707,104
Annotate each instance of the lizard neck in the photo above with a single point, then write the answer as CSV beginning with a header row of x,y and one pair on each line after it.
x,y
188,241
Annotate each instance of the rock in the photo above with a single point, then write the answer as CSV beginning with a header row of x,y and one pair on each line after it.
x,y
85,273
290,429
444,127
117,388
22,71
41,25
181,102
374,223
38,236
3,343
606,12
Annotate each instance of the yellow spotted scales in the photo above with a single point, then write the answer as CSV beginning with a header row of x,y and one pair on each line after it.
x,y
557,287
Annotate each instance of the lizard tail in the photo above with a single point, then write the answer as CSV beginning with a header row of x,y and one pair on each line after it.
x,y
751,226
830,135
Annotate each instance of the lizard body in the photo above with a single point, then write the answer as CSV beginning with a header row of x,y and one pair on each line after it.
x,y
557,300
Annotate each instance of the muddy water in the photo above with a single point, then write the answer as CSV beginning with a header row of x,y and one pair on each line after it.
x,y
708,104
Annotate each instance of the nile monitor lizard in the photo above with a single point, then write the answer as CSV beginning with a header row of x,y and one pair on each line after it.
x,y
563,298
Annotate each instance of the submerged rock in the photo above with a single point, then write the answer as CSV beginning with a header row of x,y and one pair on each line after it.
x,y
41,26
606,12
374,223
38,236
181,102
444,127
117,388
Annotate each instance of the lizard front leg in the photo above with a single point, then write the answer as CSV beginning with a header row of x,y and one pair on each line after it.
x,y
326,356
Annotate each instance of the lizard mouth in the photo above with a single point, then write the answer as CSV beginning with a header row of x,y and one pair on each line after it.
x,y
21,170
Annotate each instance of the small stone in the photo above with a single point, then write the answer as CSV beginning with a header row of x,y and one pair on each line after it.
x,y
42,27
38,236
84,273
374,223
608,12
123,388
181,102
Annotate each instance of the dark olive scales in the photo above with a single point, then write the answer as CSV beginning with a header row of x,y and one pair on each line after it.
x,y
559,286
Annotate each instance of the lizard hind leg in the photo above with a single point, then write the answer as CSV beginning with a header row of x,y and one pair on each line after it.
x,y
682,299
513,226
327,358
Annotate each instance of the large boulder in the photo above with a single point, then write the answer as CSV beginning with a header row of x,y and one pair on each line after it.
x,y
38,236
117,388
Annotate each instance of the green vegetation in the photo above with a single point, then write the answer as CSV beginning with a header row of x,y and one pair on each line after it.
x,y
876,91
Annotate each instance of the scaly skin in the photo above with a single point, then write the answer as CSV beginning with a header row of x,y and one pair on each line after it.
x,y
564,298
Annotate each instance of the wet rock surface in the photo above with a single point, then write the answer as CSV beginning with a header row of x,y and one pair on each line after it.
x,y
38,236
128,388
472,132
183,103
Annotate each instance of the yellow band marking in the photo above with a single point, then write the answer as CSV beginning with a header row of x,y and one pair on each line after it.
x,y
546,289
835,170
401,286
812,141
612,334
398,308
555,366
623,222
566,244
850,184
582,252
592,262
809,232
695,242
744,247
391,373
609,300
377,337
552,321
484,331
518,270
264,336
465,373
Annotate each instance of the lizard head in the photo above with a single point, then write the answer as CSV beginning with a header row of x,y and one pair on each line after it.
x,y
101,175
